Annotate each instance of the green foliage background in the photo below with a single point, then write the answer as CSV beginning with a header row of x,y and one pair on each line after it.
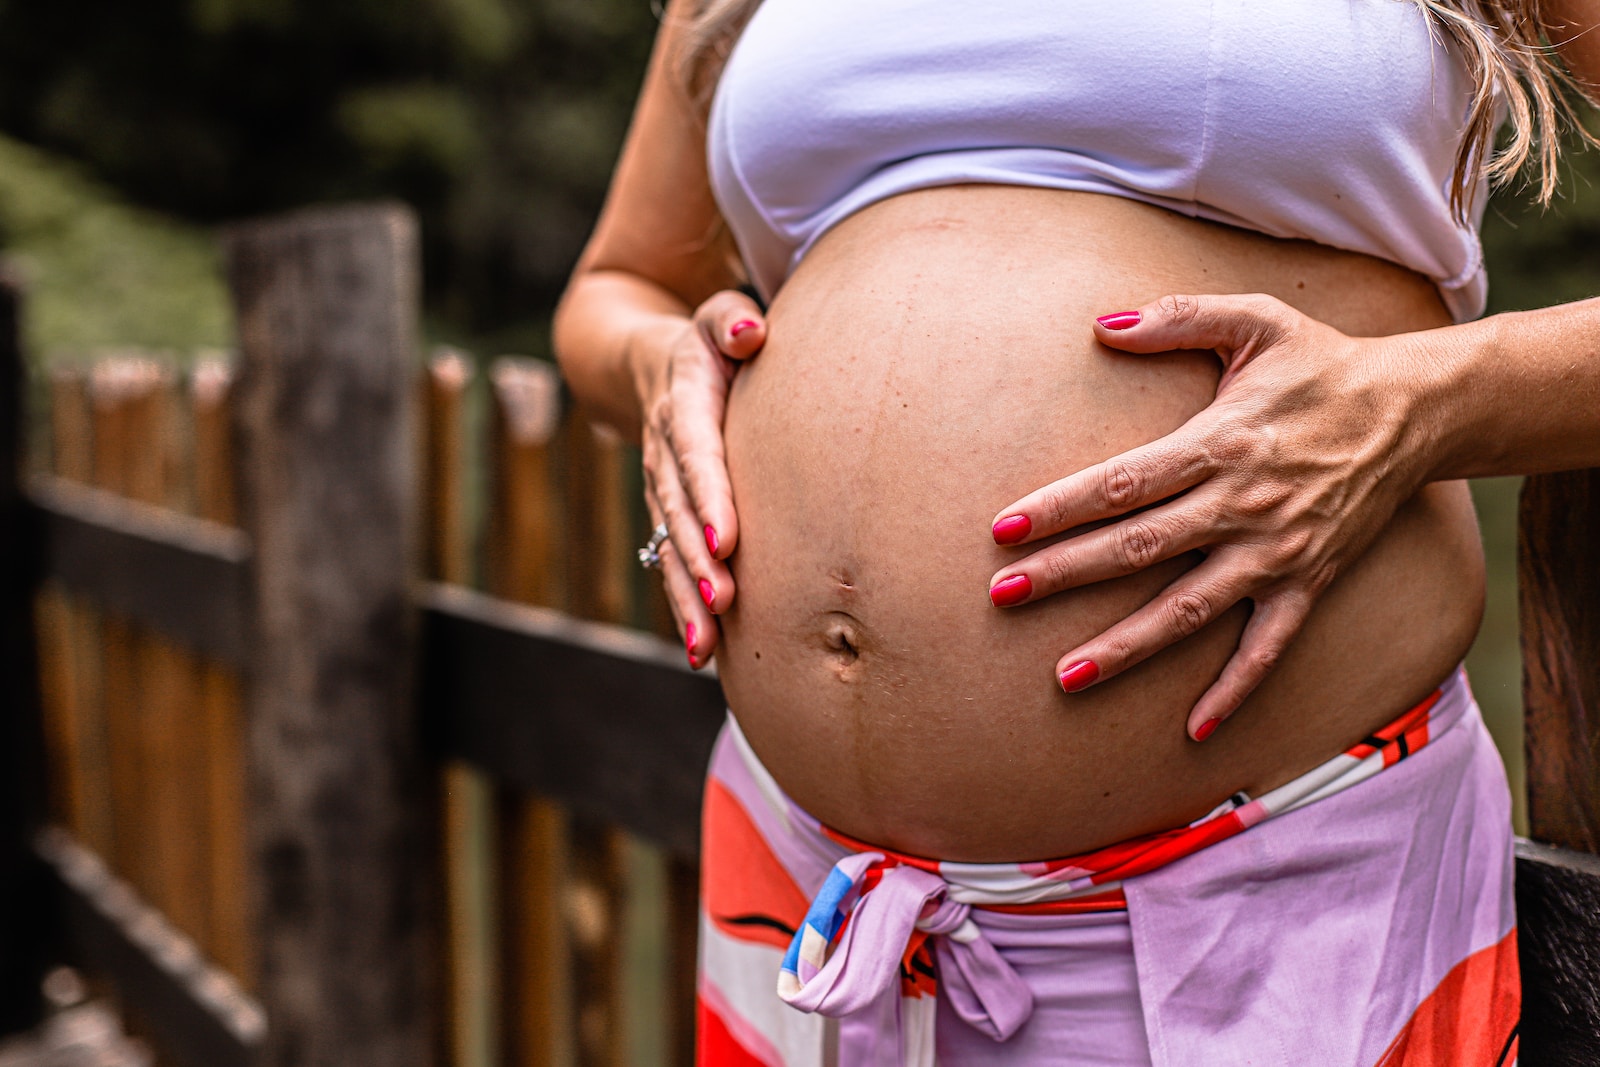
x,y
126,129
497,119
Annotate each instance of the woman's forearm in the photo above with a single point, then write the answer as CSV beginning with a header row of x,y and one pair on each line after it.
x,y
601,332
1516,393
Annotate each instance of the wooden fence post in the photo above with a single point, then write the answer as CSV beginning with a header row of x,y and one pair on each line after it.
x,y
23,921
1558,585
341,809
1558,580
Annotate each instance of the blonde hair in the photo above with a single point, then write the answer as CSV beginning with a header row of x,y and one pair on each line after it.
x,y
714,26
1509,58
1502,41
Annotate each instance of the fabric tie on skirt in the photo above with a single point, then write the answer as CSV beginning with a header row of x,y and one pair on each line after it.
x,y
877,920
1359,914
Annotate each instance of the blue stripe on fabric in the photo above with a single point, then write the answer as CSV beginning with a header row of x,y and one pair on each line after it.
x,y
825,916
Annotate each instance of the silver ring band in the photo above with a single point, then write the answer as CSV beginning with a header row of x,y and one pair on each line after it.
x,y
650,554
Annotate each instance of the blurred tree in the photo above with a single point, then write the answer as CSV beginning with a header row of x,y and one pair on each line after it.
x,y
100,273
497,119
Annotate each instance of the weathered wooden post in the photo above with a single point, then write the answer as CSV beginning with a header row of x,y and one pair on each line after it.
x,y
1558,570
1558,893
342,827
24,921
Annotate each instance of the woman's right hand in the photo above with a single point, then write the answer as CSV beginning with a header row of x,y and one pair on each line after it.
x,y
683,374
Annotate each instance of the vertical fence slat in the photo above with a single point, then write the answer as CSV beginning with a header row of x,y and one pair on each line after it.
x,y
211,386
149,680
71,434
178,839
111,385
521,564
466,800
522,559
340,806
23,912
680,879
537,990
598,522
70,639
61,671
683,930
1558,572
597,588
444,460
221,714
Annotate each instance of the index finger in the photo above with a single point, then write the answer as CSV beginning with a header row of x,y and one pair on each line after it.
x,y
1123,483
695,439
731,325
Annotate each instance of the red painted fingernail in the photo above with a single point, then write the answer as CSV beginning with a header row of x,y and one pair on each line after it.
x,y
1206,729
1079,675
711,540
707,592
1122,320
1009,591
1011,529
740,327
689,635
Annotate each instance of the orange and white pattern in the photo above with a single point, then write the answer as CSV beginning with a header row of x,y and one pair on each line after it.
x,y
896,959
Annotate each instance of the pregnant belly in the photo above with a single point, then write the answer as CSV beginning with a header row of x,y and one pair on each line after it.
x,y
929,363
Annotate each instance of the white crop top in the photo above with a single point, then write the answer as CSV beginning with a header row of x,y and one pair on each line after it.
x,y
1332,120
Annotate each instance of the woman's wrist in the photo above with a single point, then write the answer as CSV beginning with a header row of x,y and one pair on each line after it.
x,y
1518,393
602,336
1436,383
647,350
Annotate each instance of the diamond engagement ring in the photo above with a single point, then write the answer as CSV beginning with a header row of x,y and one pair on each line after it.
x,y
650,554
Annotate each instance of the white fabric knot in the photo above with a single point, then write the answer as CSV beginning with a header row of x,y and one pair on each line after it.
x,y
863,964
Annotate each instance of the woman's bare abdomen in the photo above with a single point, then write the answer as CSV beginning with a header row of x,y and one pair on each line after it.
x,y
932,361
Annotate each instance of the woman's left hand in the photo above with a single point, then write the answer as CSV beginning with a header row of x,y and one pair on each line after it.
x,y
1314,440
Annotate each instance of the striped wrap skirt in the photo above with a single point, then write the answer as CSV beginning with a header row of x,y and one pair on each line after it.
x,y
1359,916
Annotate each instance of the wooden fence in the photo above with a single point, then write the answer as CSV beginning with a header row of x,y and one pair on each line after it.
x,y
360,747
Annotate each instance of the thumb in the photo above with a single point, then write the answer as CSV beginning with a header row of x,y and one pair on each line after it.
x,y
732,323
1224,324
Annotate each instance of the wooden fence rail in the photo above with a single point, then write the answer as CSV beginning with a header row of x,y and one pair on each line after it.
x,y
543,701
419,822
